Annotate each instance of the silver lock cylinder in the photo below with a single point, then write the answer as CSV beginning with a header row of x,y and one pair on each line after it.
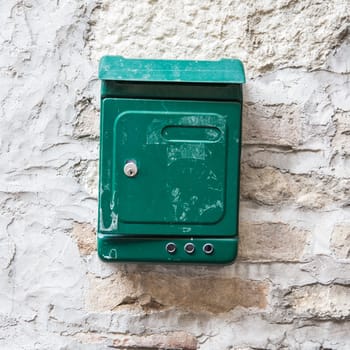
x,y
130,169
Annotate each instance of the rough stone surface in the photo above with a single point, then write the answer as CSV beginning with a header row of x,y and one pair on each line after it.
x,y
109,293
275,124
340,140
323,302
270,186
171,341
289,288
230,28
86,173
163,291
85,235
272,242
340,242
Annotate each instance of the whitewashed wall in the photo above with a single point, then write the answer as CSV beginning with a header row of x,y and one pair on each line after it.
x,y
289,289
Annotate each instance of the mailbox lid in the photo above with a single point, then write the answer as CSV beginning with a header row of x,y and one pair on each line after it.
x,y
224,71
187,154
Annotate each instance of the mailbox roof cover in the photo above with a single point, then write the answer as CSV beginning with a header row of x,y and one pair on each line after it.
x,y
224,71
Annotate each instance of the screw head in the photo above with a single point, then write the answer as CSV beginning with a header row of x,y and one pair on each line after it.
x,y
208,248
189,248
171,248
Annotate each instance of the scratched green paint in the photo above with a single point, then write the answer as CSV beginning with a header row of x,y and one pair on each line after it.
x,y
187,153
224,71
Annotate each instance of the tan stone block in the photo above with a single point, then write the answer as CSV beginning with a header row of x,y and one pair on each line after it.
x,y
162,341
154,291
106,294
315,192
271,242
271,125
340,241
85,235
205,293
266,185
332,301
270,186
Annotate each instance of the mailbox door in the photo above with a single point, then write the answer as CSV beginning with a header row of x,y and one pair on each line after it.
x,y
186,155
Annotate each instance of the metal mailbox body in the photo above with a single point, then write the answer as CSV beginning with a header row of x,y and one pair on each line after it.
x,y
169,160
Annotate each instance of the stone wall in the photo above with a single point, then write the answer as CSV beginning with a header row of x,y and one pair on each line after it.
x,y
289,289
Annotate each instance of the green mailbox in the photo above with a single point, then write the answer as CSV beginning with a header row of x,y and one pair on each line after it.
x,y
169,160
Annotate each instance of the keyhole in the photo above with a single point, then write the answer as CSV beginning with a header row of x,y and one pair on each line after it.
x,y
130,169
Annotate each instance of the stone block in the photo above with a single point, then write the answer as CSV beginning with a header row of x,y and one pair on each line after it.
x,y
85,236
87,119
340,241
87,174
107,294
271,186
156,291
272,125
168,341
266,185
321,301
272,242
340,141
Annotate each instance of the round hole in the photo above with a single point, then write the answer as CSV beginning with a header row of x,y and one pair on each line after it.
x,y
208,248
189,248
171,248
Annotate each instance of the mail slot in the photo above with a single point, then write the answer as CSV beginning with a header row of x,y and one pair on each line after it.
x,y
169,160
